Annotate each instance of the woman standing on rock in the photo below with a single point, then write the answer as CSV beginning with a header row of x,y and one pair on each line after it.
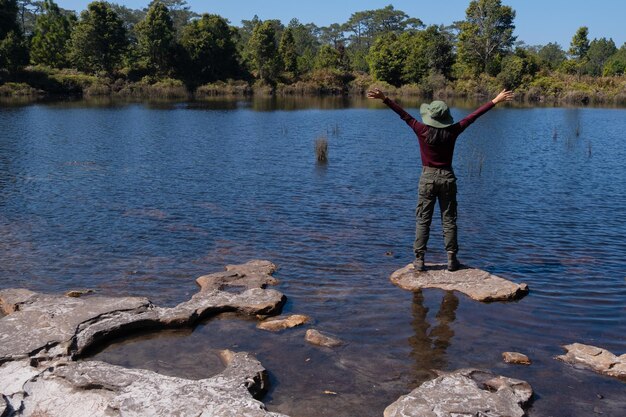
x,y
437,134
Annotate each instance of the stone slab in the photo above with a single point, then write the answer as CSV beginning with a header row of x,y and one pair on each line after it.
x,y
466,392
597,359
475,283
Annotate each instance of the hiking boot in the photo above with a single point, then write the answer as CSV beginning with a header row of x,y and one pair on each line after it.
x,y
418,263
453,262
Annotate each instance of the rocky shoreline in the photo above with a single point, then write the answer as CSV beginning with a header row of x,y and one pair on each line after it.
x,y
42,337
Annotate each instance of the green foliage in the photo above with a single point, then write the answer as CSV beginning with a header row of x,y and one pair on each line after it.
x,y
551,55
486,35
98,41
180,13
328,58
616,64
427,51
264,52
387,59
8,18
52,32
517,69
600,50
580,44
287,51
13,51
13,48
155,35
210,50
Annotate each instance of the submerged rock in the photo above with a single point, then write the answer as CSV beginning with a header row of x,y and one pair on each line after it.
x,y
596,359
42,334
515,358
315,337
283,322
464,392
67,389
475,283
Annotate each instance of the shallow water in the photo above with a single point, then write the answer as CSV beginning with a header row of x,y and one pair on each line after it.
x,y
140,199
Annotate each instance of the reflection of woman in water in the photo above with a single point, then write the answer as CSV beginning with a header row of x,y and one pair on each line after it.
x,y
429,348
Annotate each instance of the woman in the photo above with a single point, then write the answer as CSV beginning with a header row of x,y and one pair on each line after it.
x,y
437,134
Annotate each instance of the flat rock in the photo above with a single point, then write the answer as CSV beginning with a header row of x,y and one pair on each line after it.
x,y
516,358
252,274
315,337
475,283
44,326
78,389
283,322
595,358
42,335
464,392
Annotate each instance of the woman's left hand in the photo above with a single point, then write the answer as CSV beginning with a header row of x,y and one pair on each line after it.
x,y
376,94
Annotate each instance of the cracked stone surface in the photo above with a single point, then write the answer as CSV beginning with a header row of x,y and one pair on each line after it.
x,y
42,334
92,388
597,359
464,392
475,283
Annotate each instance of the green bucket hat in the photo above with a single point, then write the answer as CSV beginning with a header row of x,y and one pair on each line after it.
x,y
436,114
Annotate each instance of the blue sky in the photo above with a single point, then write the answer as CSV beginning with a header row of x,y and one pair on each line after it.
x,y
537,21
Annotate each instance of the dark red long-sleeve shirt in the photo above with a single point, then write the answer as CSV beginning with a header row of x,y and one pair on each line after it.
x,y
437,155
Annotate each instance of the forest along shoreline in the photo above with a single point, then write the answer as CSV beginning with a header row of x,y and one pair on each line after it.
x,y
166,50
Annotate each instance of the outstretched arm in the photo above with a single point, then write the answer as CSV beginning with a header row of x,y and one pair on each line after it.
x,y
505,95
376,94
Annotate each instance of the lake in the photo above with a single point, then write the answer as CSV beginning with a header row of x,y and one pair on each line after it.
x,y
140,199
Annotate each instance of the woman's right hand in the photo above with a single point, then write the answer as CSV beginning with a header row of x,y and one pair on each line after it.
x,y
376,94
505,95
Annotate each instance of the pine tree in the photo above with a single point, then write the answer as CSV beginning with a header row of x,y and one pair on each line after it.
x,y
155,35
51,35
98,41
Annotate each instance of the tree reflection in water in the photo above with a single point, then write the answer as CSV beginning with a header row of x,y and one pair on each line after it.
x,y
428,348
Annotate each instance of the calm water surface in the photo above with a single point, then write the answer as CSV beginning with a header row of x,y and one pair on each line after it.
x,y
139,199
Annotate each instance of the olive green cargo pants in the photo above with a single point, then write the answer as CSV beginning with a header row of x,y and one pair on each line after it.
x,y
436,184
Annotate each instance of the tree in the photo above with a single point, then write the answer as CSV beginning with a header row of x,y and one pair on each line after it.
x,y
486,35
306,39
287,51
580,44
551,55
98,41
210,50
53,29
13,49
600,50
264,52
517,69
155,36
180,13
387,59
616,64
28,10
328,58
332,35
427,51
